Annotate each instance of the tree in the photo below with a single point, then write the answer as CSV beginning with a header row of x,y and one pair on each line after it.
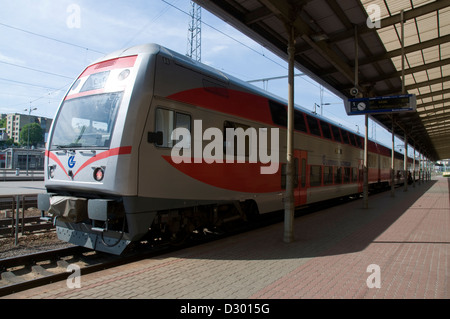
x,y
36,134
8,143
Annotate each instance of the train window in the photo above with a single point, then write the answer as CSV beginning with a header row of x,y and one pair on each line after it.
x,y
347,172
328,175
354,175
279,116
338,175
167,121
299,121
336,134
359,141
183,121
345,137
315,178
164,124
87,121
352,139
215,88
279,113
325,129
313,125
239,149
372,160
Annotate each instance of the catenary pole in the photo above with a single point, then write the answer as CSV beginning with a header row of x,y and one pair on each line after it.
x,y
289,196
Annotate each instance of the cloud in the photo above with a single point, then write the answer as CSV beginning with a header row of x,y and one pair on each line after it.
x,y
12,60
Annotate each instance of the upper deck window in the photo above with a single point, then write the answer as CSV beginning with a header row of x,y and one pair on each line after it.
x,y
336,134
325,129
313,125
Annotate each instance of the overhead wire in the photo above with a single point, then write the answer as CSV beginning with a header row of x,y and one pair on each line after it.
x,y
25,83
36,70
54,90
49,38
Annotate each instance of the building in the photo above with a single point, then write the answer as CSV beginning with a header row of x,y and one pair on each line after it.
x,y
13,158
3,135
15,123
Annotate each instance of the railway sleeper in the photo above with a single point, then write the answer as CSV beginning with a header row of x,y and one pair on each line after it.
x,y
39,270
11,278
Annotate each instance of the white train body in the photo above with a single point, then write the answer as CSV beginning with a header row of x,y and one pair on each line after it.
x,y
110,174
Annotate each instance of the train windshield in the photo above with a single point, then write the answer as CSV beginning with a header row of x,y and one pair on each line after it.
x,y
86,122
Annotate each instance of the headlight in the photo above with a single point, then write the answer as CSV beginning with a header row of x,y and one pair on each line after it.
x,y
51,171
124,74
99,173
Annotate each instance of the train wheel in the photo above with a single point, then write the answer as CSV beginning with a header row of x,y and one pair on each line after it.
x,y
250,209
179,237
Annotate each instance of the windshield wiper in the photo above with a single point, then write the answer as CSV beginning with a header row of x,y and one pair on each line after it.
x,y
83,129
71,145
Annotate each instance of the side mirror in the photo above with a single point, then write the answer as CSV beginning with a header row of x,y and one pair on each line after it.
x,y
155,137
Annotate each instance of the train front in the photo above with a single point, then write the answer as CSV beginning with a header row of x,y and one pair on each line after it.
x,y
91,165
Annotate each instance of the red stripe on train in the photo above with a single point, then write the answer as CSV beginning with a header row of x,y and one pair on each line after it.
x,y
239,177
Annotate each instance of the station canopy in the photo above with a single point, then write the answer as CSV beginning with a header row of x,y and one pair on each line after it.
x,y
326,31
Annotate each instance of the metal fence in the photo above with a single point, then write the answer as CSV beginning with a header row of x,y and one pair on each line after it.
x,y
12,216
21,175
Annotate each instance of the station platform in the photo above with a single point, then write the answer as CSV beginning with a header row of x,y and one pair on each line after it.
x,y
397,248
13,188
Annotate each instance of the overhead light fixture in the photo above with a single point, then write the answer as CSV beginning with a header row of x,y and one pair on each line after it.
x,y
319,37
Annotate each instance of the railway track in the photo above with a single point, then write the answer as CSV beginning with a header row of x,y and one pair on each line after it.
x,y
38,269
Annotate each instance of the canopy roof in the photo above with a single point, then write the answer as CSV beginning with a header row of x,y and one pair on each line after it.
x,y
325,50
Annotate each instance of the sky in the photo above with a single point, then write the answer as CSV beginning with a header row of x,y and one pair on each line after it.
x,y
46,44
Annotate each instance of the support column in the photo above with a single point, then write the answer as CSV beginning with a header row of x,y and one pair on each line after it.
x,y
414,167
393,160
423,167
405,165
366,166
289,204
420,168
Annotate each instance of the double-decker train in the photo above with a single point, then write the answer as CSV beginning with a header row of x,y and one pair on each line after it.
x,y
140,150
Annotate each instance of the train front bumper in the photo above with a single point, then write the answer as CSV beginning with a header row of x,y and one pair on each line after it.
x,y
77,221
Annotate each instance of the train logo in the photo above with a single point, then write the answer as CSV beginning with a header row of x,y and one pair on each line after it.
x,y
71,162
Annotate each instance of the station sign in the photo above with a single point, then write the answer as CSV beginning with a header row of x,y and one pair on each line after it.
x,y
381,104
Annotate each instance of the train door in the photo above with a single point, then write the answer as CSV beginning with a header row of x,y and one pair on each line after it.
x,y
301,158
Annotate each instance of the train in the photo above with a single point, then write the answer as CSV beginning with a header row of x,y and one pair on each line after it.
x,y
139,151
